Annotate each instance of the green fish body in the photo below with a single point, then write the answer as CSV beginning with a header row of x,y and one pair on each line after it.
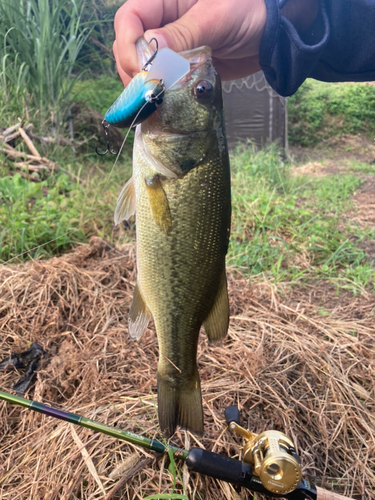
x,y
180,192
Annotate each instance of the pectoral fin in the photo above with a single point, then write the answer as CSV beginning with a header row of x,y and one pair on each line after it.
x,y
139,315
217,321
125,206
159,203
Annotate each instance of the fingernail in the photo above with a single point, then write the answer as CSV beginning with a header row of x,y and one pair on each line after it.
x,y
161,40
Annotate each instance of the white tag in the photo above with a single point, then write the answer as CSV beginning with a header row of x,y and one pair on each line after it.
x,y
168,66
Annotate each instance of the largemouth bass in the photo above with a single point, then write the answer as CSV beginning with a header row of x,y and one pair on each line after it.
x,y
180,192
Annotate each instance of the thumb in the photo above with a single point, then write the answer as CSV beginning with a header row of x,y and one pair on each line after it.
x,y
188,32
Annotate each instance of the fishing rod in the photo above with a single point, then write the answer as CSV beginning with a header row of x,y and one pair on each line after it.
x,y
271,465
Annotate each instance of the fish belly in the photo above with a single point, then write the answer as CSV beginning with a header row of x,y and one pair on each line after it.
x,y
180,272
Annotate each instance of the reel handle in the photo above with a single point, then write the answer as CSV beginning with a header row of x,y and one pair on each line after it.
x,y
232,414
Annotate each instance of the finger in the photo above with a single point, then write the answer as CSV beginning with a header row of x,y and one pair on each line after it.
x,y
128,28
124,76
232,69
234,32
192,29
136,16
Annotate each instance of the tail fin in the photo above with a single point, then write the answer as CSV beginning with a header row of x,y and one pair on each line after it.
x,y
180,404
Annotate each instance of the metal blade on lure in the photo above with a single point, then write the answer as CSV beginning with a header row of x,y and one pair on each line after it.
x,y
169,67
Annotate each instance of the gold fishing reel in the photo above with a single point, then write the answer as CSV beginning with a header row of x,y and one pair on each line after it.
x,y
271,454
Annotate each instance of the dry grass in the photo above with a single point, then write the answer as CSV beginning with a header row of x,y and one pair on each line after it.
x,y
285,364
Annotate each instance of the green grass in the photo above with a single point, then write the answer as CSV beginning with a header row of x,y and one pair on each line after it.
x,y
319,110
362,167
286,228
99,93
331,193
29,219
293,228
49,217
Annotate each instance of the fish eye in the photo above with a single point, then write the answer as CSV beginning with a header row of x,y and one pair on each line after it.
x,y
203,89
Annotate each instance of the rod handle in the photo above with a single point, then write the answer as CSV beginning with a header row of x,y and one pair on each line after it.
x,y
217,466
322,494
222,467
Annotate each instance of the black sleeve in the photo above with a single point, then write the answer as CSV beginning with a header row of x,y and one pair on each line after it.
x,y
339,46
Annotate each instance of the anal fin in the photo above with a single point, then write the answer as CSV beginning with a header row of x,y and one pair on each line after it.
x,y
139,315
125,206
217,322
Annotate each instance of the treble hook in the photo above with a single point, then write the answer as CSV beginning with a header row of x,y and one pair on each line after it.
x,y
153,55
106,126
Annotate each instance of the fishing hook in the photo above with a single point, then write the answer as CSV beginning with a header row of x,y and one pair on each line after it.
x,y
106,126
153,55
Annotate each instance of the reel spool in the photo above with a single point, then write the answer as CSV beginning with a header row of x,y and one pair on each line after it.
x,y
271,454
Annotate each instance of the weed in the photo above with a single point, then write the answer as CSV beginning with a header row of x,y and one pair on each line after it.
x,y
41,41
40,219
291,228
318,111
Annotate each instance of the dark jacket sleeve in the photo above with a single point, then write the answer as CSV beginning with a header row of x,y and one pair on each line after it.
x,y
339,46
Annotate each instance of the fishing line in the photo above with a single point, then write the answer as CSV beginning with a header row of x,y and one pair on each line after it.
x,y
29,395
92,206
126,136
36,248
56,403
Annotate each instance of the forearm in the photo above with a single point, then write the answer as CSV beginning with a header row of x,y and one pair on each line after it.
x,y
330,40
301,13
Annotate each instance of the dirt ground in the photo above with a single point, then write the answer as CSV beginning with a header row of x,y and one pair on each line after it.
x,y
338,156
338,151
296,359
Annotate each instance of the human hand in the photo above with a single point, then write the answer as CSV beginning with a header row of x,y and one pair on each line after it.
x,y
233,30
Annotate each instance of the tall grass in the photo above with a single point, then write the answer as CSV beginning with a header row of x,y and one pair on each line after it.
x,y
41,41
12,72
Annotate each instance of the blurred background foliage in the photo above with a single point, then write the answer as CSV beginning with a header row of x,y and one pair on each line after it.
x,y
320,110
56,53
46,47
